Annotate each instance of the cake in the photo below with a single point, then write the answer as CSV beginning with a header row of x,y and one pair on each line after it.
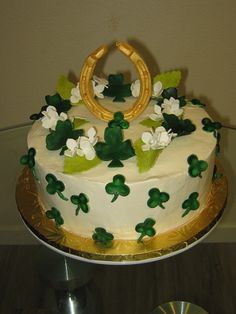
x,y
105,172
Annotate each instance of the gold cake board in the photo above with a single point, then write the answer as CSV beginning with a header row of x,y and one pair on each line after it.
x,y
122,251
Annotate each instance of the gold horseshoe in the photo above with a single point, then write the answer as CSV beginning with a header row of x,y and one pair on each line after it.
x,y
86,89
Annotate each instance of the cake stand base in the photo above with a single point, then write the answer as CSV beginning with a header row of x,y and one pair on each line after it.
x,y
67,280
179,307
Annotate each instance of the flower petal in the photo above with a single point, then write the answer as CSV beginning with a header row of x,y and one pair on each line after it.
x,y
146,137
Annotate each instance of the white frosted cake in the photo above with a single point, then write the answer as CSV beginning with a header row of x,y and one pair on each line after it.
x,y
118,180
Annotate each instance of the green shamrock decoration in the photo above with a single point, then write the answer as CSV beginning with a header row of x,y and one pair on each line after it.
x,y
157,198
81,201
56,215
61,105
102,237
196,167
172,92
114,148
197,102
179,126
146,228
116,88
191,203
29,160
117,187
119,120
210,126
64,130
216,175
55,186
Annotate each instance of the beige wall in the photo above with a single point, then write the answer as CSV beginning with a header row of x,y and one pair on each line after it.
x,y
42,39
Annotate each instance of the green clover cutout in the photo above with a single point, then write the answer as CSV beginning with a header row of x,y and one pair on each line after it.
x,y
157,198
116,88
64,130
56,215
102,237
196,167
29,160
146,228
191,203
55,186
118,120
210,126
114,148
117,187
177,125
61,105
81,201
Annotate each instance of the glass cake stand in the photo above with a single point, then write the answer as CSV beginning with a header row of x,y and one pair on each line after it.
x,y
69,281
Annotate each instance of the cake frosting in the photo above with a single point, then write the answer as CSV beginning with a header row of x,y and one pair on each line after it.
x,y
128,200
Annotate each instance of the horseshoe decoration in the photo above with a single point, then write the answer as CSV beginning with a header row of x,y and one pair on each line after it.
x,y
86,89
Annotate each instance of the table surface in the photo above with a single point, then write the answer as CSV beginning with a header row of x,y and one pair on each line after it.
x,y
204,275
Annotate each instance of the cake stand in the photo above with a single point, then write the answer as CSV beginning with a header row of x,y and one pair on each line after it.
x,y
71,274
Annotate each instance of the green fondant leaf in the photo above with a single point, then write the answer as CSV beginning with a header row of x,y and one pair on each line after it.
x,y
168,79
145,160
78,122
79,164
151,123
64,87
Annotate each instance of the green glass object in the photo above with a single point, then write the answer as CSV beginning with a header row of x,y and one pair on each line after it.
x,y
117,187
116,88
64,130
55,186
157,198
191,203
56,215
146,228
102,237
196,167
81,201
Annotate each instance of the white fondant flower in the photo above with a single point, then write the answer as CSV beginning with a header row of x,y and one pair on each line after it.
x,y
75,95
99,84
72,147
135,88
157,115
171,106
50,117
157,89
158,139
83,146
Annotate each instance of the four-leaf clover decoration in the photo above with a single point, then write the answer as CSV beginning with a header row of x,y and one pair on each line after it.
x,y
29,160
102,237
62,105
81,201
55,186
64,130
196,167
191,203
118,120
114,148
157,198
56,215
146,228
117,187
116,88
